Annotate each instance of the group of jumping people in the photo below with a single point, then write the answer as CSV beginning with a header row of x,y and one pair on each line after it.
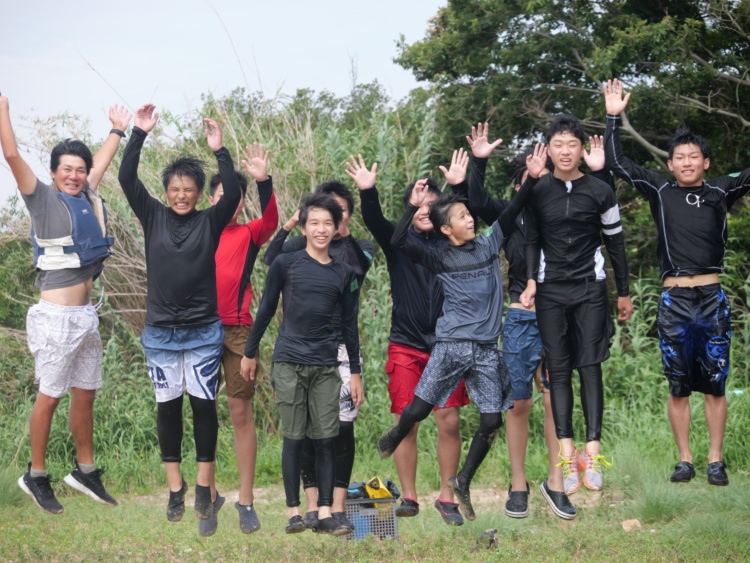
x,y
446,318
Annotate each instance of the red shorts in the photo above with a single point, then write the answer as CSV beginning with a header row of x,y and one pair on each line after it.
x,y
404,368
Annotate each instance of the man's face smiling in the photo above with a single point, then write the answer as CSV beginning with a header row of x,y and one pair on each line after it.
x,y
688,165
182,194
461,227
71,175
421,220
319,228
565,150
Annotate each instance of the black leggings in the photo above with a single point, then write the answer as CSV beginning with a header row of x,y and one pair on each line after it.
x,y
489,424
344,448
205,429
592,400
291,465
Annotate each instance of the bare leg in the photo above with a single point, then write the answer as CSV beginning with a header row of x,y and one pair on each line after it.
x,y
82,423
517,434
716,420
174,476
593,447
555,480
311,498
39,428
245,445
448,448
405,458
678,409
339,499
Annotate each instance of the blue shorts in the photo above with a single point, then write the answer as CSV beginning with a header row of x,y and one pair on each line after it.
x,y
184,358
522,350
695,333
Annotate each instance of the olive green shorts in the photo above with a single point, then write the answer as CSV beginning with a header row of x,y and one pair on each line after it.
x,y
308,399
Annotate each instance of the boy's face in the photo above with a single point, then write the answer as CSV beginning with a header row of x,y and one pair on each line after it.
x,y
461,226
213,200
344,223
319,228
182,194
688,164
421,220
566,151
70,176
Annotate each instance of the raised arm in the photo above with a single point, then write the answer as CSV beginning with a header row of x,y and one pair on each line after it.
x,y
372,213
279,244
596,160
120,117
22,172
136,193
535,164
427,256
224,210
257,166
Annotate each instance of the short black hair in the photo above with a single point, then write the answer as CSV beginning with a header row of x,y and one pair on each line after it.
x,y
440,210
332,187
686,137
72,147
566,124
519,164
432,188
185,166
216,181
320,201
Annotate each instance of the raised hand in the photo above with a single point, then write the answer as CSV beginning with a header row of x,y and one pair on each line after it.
x,y
595,156
213,134
480,141
613,99
292,222
363,178
120,117
145,117
457,172
418,193
536,162
257,162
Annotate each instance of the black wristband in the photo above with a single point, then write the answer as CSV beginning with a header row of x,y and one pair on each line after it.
x,y
118,132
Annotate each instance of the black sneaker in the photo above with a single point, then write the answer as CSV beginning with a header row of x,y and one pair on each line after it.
x,y
176,504
249,521
208,526
90,484
558,502
40,489
332,526
295,525
683,472
517,505
311,520
203,505
717,474
449,511
389,442
342,519
464,497
408,508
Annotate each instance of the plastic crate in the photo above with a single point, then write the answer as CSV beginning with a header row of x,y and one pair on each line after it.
x,y
372,516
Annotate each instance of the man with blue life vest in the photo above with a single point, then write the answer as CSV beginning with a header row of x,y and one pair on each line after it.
x,y
71,242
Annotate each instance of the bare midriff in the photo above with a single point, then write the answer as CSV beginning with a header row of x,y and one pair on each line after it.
x,y
73,296
691,281
520,306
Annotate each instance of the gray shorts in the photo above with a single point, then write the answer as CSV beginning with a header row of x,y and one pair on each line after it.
x,y
481,366
66,346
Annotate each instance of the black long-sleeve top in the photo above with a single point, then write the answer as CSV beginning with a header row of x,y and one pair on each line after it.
x,y
311,293
568,220
180,249
489,209
358,253
691,223
416,292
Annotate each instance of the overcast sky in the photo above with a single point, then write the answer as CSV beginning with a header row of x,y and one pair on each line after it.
x,y
80,57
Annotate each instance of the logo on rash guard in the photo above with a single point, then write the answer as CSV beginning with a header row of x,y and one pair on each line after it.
x,y
472,275
694,199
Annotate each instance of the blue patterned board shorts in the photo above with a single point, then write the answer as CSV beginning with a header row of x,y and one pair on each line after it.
x,y
695,333
184,358
522,350
481,366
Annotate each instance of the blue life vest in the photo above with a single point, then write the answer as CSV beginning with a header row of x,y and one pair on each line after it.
x,y
88,241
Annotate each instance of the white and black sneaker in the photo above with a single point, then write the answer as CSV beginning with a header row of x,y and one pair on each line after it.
x,y
90,484
40,489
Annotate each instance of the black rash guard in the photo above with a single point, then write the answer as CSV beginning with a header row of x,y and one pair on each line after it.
x,y
568,219
417,294
488,209
312,291
180,249
358,253
691,222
